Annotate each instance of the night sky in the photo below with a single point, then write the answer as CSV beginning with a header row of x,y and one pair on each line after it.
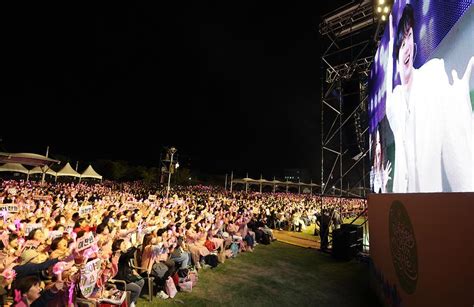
x,y
234,85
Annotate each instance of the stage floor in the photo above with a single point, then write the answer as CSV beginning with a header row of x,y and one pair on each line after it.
x,y
303,239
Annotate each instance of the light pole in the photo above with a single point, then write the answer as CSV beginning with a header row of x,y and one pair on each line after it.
x,y
176,166
172,151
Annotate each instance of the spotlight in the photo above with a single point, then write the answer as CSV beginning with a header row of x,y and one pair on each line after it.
x,y
385,9
379,9
381,2
384,18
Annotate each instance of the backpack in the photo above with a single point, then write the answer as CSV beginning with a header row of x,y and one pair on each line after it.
x,y
234,247
211,260
265,239
159,270
183,273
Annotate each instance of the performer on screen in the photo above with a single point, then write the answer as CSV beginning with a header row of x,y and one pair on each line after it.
x,y
431,119
379,175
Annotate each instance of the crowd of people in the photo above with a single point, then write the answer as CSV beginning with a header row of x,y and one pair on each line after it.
x,y
66,241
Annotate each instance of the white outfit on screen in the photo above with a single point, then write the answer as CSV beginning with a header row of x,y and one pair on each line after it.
x,y
432,127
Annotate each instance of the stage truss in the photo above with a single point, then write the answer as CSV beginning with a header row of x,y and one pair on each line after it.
x,y
349,36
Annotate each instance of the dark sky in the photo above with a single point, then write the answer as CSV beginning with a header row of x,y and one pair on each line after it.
x,y
233,85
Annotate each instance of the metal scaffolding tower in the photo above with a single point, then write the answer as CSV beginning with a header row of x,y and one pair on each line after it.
x,y
349,36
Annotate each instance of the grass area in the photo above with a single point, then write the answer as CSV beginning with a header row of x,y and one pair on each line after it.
x,y
279,275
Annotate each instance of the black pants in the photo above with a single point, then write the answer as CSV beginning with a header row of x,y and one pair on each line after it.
x,y
324,233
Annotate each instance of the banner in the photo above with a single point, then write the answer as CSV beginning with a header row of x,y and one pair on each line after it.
x,y
31,244
85,210
42,197
11,208
89,276
30,227
55,234
85,241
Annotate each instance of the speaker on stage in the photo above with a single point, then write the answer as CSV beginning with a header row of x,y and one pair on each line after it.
x,y
347,241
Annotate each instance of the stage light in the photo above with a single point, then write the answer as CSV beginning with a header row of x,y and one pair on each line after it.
x,y
379,9
385,9
384,18
381,2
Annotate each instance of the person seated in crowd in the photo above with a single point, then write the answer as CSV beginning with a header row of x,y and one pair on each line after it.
x,y
171,233
59,248
195,244
28,292
125,272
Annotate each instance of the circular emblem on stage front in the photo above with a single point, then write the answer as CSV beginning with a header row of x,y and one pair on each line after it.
x,y
403,247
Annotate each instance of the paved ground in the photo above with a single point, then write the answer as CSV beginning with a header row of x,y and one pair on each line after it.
x,y
302,239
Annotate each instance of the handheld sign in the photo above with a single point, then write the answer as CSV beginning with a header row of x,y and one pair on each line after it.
x,y
85,241
31,227
31,244
89,276
85,210
55,234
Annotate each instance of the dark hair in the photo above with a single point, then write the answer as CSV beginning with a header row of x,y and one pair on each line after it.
x,y
124,225
80,234
100,228
12,237
57,219
78,222
146,241
31,235
24,284
116,245
55,242
160,232
56,227
406,22
75,216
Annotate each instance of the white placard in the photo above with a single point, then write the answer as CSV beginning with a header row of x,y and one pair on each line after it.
x,y
85,241
11,208
89,276
30,227
85,210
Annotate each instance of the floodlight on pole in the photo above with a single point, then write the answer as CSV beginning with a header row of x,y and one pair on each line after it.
x,y
171,151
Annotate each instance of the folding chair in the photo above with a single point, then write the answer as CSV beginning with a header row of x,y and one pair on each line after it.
x,y
149,279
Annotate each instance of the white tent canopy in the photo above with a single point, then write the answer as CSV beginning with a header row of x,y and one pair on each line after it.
x,y
26,158
13,167
67,170
41,170
91,173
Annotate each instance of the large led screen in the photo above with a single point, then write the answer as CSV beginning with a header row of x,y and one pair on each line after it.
x,y
421,95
